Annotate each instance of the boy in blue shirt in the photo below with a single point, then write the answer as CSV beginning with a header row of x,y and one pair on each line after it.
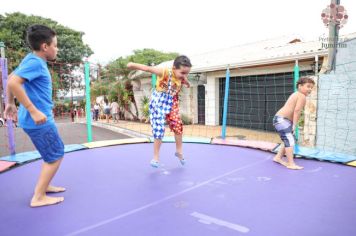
x,y
31,84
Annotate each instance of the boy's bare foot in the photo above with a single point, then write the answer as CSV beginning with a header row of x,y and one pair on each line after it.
x,y
280,161
46,201
54,189
294,167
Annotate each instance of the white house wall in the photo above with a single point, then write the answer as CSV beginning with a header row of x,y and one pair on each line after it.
x,y
140,90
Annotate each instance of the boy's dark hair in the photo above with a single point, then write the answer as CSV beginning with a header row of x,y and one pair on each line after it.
x,y
304,80
39,34
182,61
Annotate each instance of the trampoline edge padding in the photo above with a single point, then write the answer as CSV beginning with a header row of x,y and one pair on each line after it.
x,y
23,157
352,163
317,154
74,147
170,139
5,165
262,145
106,143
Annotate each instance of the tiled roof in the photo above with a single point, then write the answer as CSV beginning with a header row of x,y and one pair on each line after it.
x,y
268,51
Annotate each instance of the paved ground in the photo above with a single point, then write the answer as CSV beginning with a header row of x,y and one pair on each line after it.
x,y
71,133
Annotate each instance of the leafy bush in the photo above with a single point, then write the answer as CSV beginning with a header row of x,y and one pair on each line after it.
x,y
186,120
145,101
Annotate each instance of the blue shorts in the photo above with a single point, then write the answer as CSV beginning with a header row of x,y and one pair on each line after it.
x,y
48,142
285,129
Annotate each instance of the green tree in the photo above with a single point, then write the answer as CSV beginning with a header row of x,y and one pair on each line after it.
x,y
150,56
13,33
70,42
119,92
117,71
145,101
99,88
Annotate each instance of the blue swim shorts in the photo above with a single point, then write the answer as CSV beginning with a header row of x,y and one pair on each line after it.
x,y
48,142
285,129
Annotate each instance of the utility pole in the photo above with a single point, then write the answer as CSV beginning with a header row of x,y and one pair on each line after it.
x,y
2,55
333,40
334,17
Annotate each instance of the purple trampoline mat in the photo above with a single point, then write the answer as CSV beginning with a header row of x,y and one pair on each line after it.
x,y
223,190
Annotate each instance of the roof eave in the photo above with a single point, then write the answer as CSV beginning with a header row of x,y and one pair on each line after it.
x,y
267,61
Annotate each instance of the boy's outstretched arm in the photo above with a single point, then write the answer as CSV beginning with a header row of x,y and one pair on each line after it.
x,y
151,69
14,88
301,100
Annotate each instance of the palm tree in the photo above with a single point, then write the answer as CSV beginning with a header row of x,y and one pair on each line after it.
x,y
121,85
123,96
131,97
145,101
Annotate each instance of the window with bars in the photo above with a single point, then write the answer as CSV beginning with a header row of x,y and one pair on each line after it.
x,y
255,99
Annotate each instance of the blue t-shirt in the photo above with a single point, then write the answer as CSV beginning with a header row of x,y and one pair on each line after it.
x,y
38,87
